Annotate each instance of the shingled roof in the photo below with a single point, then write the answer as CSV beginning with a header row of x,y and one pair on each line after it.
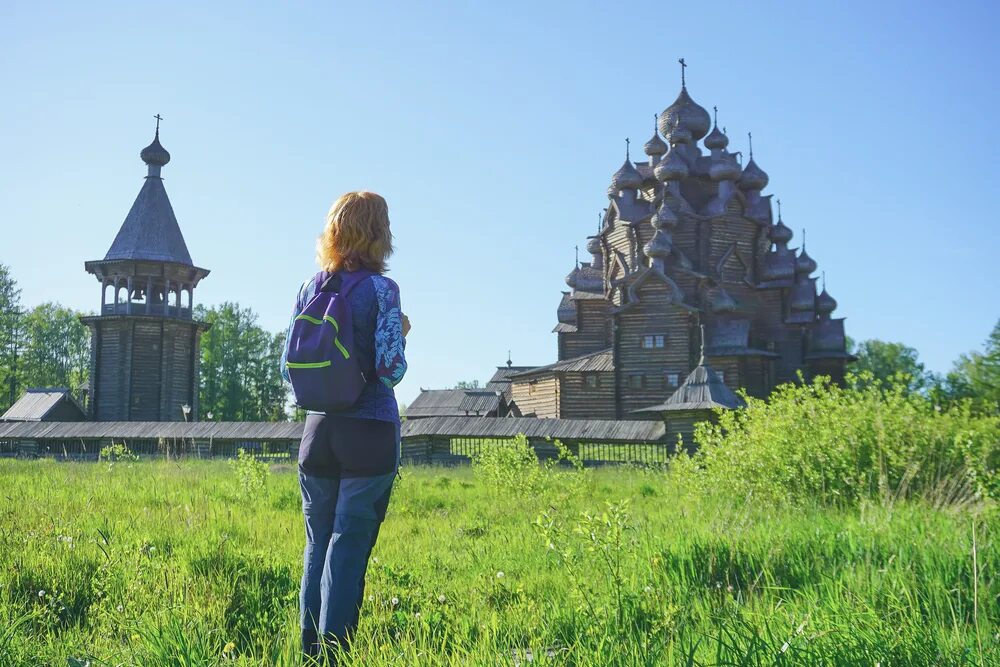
x,y
501,379
594,430
150,230
39,404
453,403
703,389
593,362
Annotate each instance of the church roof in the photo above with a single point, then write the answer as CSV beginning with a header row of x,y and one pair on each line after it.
x,y
703,389
593,362
150,230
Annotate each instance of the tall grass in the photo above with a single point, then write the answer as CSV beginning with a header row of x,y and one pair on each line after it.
x,y
172,564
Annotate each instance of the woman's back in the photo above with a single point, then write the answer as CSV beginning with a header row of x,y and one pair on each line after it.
x,y
378,341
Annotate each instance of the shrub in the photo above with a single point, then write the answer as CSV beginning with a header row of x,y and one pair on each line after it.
x,y
117,452
251,474
818,440
511,466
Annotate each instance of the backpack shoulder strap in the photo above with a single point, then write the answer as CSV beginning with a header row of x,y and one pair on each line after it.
x,y
344,284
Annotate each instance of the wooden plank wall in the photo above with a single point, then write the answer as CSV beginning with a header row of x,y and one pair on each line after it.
x,y
539,398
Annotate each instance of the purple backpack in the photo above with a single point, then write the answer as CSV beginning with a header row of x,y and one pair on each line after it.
x,y
325,372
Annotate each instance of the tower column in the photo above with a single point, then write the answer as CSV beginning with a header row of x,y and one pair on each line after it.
x,y
166,296
128,295
149,295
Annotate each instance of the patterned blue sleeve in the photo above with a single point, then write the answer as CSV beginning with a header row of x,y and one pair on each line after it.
x,y
390,345
301,299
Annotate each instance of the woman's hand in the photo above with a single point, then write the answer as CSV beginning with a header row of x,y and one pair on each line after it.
x,y
406,325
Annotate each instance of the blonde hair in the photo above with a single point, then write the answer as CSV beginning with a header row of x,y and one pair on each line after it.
x,y
356,234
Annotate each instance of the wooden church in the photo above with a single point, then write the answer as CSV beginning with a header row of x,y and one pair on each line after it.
x,y
688,240
144,341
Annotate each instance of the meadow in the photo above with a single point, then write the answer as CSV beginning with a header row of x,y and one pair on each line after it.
x,y
824,527
173,564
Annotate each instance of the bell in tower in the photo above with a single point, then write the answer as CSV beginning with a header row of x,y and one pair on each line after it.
x,y
144,341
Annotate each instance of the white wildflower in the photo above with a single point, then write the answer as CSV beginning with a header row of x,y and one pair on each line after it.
x,y
395,601
442,598
120,608
784,647
41,594
501,575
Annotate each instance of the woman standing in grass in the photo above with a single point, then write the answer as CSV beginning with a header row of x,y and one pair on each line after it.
x,y
348,459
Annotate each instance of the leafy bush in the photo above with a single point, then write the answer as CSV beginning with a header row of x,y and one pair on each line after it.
x,y
834,444
511,466
117,452
251,474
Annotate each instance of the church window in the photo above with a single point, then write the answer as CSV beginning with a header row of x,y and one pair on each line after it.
x,y
590,380
531,387
653,341
722,375
673,380
635,381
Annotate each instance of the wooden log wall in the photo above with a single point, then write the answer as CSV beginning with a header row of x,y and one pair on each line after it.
x,y
593,332
581,401
655,314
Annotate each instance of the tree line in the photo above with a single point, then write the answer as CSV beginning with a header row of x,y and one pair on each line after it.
x,y
48,346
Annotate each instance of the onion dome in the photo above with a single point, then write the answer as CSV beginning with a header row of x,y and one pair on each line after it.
x,y
804,263
572,276
664,216
685,114
671,168
154,154
779,232
825,304
566,312
679,135
716,140
594,246
626,178
659,246
724,168
753,177
655,146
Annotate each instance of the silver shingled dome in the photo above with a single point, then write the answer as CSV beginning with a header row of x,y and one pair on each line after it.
x,y
155,154
753,178
671,168
686,113
626,178
716,139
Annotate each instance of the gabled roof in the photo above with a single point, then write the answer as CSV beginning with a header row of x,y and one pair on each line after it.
x,y
593,362
480,402
501,379
452,402
150,230
37,404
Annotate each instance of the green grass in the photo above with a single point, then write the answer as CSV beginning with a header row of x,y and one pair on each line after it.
x,y
169,564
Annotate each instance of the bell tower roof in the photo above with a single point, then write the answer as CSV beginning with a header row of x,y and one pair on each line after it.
x,y
150,230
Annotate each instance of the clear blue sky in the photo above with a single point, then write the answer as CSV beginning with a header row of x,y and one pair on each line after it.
x,y
493,129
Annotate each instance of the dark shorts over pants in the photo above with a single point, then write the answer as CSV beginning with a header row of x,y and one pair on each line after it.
x,y
346,470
